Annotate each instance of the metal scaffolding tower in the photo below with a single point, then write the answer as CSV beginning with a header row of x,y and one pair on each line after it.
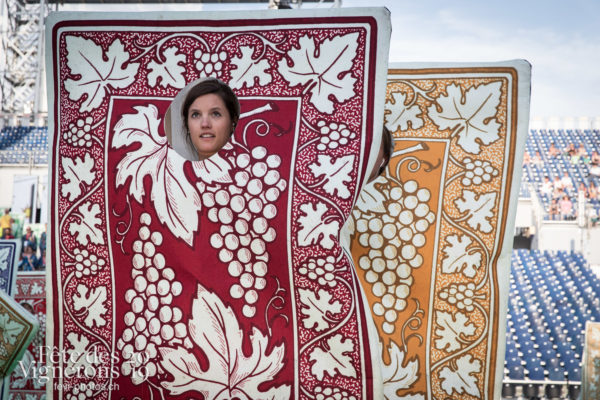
x,y
22,75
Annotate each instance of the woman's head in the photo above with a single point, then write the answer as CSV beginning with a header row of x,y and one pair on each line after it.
x,y
210,113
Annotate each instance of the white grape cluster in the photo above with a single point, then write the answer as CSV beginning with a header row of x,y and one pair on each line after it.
x,y
79,133
80,392
87,264
329,393
320,270
478,171
333,135
243,211
209,64
152,321
394,238
461,295
40,337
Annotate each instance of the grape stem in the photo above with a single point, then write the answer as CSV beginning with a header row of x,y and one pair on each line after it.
x,y
275,298
161,42
119,232
266,107
414,318
423,92
160,390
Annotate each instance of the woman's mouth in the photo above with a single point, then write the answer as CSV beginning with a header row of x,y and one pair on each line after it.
x,y
207,136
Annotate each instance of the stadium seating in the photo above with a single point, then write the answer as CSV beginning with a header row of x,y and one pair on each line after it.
x,y
22,144
579,172
552,295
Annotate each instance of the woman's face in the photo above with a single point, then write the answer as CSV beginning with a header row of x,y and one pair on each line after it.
x,y
209,124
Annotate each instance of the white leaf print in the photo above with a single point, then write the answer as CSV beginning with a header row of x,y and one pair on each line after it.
x,y
457,257
474,113
88,229
175,200
9,329
97,70
371,200
400,115
80,355
248,70
479,209
214,328
4,260
451,329
335,172
462,379
396,375
213,169
317,307
90,302
77,171
325,71
333,359
171,72
314,229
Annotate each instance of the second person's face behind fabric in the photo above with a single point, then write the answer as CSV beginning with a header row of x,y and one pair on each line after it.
x,y
209,124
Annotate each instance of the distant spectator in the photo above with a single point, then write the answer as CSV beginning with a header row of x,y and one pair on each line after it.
x,y
526,158
595,170
43,241
566,181
553,151
537,159
566,208
593,191
583,189
29,236
553,210
595,159
570,150
6,220
546,187
7,233
29,261
558,185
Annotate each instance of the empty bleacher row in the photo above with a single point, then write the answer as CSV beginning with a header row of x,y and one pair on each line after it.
x,y
24,144
552,296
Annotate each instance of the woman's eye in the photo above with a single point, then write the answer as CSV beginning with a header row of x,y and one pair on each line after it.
x,y
194,115
216,113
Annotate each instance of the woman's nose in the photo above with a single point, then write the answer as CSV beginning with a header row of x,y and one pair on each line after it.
x,y
205,121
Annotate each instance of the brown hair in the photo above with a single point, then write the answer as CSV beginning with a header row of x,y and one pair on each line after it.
x,y
387,142
207,86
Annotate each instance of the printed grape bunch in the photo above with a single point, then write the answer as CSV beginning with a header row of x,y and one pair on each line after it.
x,y
394,237
243,211
152,320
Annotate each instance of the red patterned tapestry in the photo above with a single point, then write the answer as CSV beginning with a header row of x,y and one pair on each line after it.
x,y
432,237
222,278
28,380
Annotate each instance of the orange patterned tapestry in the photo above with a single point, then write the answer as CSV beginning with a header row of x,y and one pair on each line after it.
x,y
431,238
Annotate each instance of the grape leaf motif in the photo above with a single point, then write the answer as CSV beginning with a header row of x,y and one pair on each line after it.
x,y
461,379
398,376
97,70
175,200
171,72
214,169
88,228
4,260
324,71
458,258
450,329
400,116
91,303
336,174
214,328
9,329
248,70
79,356
316,307
314,228
478,207
371,200
77,171
473,112
334,359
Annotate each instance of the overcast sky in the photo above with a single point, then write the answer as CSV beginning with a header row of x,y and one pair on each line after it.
x,y
561,39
